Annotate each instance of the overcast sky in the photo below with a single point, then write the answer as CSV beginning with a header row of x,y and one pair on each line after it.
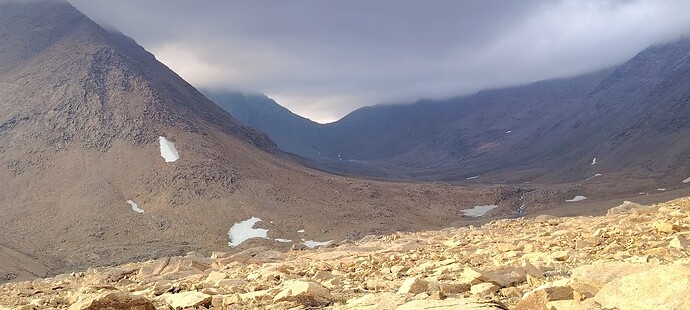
x,y
322,59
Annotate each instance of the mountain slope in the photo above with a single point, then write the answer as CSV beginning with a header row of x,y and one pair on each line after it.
x,y
634,257
632,118
292,133
81,113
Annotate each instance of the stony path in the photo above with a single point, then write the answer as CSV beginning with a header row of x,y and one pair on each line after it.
x,y
635,257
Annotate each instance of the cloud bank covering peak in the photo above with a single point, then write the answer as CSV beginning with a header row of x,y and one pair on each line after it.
x,y
323,59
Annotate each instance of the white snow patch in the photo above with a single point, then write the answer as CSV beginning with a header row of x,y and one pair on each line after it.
x,y
594,161
509,131
478,211
312,244
643,193
168,150
577,198
594,176
686,180
244,230
661,189
135,207
300,231
472,178
283,240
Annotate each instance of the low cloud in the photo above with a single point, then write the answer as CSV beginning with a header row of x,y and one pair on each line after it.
x,y
323,59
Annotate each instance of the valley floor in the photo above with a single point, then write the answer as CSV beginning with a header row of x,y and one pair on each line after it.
x,y
634,257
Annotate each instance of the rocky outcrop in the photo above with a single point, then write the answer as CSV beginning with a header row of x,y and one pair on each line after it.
x,y
636,259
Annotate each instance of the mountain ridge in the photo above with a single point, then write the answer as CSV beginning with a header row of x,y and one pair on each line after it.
x,y
547,131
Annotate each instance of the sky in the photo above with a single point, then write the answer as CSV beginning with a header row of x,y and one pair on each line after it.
x,y
323,59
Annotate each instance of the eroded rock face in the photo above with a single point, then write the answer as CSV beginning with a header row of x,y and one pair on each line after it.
x,y
663,287
636,258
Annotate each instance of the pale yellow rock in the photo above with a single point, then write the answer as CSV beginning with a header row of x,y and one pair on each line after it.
x,y
378,301
453,287
626,208
484,289
186,299
561,256
450,304
503,276
538,298
215,276
680,242
304,292
564,305
665,227
511,292
589,279
112,301
414,286
662,288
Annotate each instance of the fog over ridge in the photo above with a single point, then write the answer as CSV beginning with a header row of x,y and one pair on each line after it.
x,y
323,59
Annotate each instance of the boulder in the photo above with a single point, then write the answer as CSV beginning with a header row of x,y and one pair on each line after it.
x,y
484,289
112,301
540,297
588,279
414,286
307,293
663,287
680,242
186,299
451,303
378,301
626,208
503,276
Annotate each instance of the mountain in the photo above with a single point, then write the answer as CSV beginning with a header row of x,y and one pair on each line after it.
x,y
292,133
107,156
633,118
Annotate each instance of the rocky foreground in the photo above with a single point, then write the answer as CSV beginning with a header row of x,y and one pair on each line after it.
x,y
635,257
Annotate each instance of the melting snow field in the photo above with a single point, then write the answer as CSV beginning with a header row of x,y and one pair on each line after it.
x,y
135,207
244,230
686,180
478,211
577,198
312,244
168,150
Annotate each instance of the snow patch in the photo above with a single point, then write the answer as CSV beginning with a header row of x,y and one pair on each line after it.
x,y
478,211
661,189
594,176
312,244
472,178
135,207
244,230
594,161
509,131
686,180
283,240
168,150
577,198
300,231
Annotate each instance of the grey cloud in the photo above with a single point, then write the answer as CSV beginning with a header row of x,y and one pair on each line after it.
x,y
323,59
